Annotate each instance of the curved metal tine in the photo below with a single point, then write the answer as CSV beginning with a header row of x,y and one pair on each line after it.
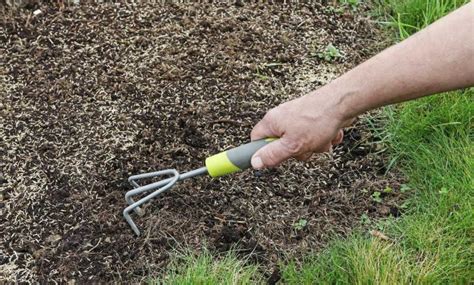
x,y
140,189
132,178
126,211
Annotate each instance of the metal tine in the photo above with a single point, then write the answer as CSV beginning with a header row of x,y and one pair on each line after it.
x,y
170,182
140,189
132,178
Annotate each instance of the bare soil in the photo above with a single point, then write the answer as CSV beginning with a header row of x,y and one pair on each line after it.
x,y
92,94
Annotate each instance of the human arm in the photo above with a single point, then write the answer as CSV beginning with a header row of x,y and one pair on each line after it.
x,y
438,58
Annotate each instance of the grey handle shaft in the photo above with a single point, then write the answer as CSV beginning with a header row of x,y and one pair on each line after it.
x,y
241,155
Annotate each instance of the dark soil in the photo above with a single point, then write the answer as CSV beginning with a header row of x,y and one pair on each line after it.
x,y
93,94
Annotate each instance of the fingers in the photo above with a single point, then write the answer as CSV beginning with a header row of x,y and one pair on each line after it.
x,y
280,150
260,131
273,154
269,126
337,140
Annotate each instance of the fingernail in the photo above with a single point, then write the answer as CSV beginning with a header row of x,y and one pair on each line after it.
x,y
257,162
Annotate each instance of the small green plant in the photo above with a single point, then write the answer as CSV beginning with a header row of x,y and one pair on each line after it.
x,y
388,189
301,224
365,220
336,10
351,3
329,54
376,197
260,74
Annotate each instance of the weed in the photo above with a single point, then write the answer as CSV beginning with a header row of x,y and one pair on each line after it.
x,y
365,220
330,53
260,75
301,224
388,190
353,4
376,197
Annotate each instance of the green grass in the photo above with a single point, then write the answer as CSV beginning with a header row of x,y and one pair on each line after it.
x,y
355,260
432,142
433,139
409,16
206,268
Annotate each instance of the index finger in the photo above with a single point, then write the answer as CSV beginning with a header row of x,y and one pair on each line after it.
x,y
261,130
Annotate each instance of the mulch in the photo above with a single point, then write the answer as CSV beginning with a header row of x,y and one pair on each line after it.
x,y
92,94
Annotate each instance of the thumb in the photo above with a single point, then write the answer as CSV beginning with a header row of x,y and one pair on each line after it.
x,y
272,154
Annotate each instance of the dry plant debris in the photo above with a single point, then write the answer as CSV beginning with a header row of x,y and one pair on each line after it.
x,y
91,94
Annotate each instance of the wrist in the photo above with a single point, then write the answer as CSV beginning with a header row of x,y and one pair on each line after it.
x,y
340,105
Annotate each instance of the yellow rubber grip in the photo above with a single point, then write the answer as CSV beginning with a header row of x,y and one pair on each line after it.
x,y
220,164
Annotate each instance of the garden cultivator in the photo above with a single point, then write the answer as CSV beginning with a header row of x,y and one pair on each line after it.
x,y
223,163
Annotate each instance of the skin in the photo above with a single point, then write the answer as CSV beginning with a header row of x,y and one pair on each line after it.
x,y
439,58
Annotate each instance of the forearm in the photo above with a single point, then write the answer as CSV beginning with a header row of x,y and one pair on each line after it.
x,y
438,58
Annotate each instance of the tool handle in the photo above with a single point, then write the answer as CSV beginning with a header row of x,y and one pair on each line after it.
x,y
234,159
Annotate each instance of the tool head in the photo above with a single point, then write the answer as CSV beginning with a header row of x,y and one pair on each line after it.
x,y
157,188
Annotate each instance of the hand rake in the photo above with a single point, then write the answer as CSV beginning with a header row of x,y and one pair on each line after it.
x,y
223,163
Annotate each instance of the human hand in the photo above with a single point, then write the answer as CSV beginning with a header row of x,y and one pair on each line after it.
x,y
307,125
